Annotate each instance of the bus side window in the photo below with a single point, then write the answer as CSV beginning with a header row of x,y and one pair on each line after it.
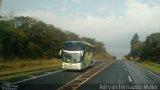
x,y
88,49
91,49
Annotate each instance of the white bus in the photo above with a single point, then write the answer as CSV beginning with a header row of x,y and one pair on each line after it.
x,y
77,55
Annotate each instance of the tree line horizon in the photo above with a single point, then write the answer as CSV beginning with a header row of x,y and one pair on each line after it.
x,y
145,50
28,37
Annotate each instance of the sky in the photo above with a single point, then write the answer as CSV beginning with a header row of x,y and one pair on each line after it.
x,y
113,22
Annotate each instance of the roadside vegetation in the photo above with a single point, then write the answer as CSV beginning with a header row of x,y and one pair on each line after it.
x,y
146,50
16,68
146,53
28,45
150,65
28,37
101,57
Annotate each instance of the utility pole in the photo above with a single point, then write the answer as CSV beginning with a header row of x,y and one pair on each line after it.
x,y
0,7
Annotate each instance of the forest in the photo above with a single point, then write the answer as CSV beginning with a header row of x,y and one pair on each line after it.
x,y
28,37
146,50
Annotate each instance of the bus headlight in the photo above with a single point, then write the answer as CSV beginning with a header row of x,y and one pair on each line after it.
x,y
79,65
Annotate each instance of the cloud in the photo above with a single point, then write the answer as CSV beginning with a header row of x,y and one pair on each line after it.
x,y
137,17
142,15
102,8
73,1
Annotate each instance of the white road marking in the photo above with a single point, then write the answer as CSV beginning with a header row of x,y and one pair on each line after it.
x,y
152,73
48,72
36,77
125,69
129,78
124,66
32,76
146,69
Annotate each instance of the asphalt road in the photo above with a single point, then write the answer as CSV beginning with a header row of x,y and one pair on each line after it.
x,y
118,75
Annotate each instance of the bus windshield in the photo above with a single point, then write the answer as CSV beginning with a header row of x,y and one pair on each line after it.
x,y
73,46
71,58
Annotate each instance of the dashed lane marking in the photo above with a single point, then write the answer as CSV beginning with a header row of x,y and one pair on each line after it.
x,y
32,76
80,80
126,69
129,78
36,77
146,70
124,66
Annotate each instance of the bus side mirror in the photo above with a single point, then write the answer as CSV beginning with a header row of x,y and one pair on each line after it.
x,y
60,52
81,54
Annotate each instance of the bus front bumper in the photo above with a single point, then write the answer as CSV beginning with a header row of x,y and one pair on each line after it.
x,y
71,66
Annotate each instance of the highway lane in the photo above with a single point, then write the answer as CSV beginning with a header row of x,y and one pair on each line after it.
x,y
113,74
122,73
48,82
140,75
118,73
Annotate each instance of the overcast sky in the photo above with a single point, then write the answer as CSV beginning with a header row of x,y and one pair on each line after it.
x,y
112,21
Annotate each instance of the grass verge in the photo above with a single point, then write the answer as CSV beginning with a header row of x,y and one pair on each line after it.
x,y
19,68
102,57
152,66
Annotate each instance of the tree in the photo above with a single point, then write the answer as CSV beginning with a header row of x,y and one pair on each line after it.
x,y
152,47
136,47
135,39
27,37
149,49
